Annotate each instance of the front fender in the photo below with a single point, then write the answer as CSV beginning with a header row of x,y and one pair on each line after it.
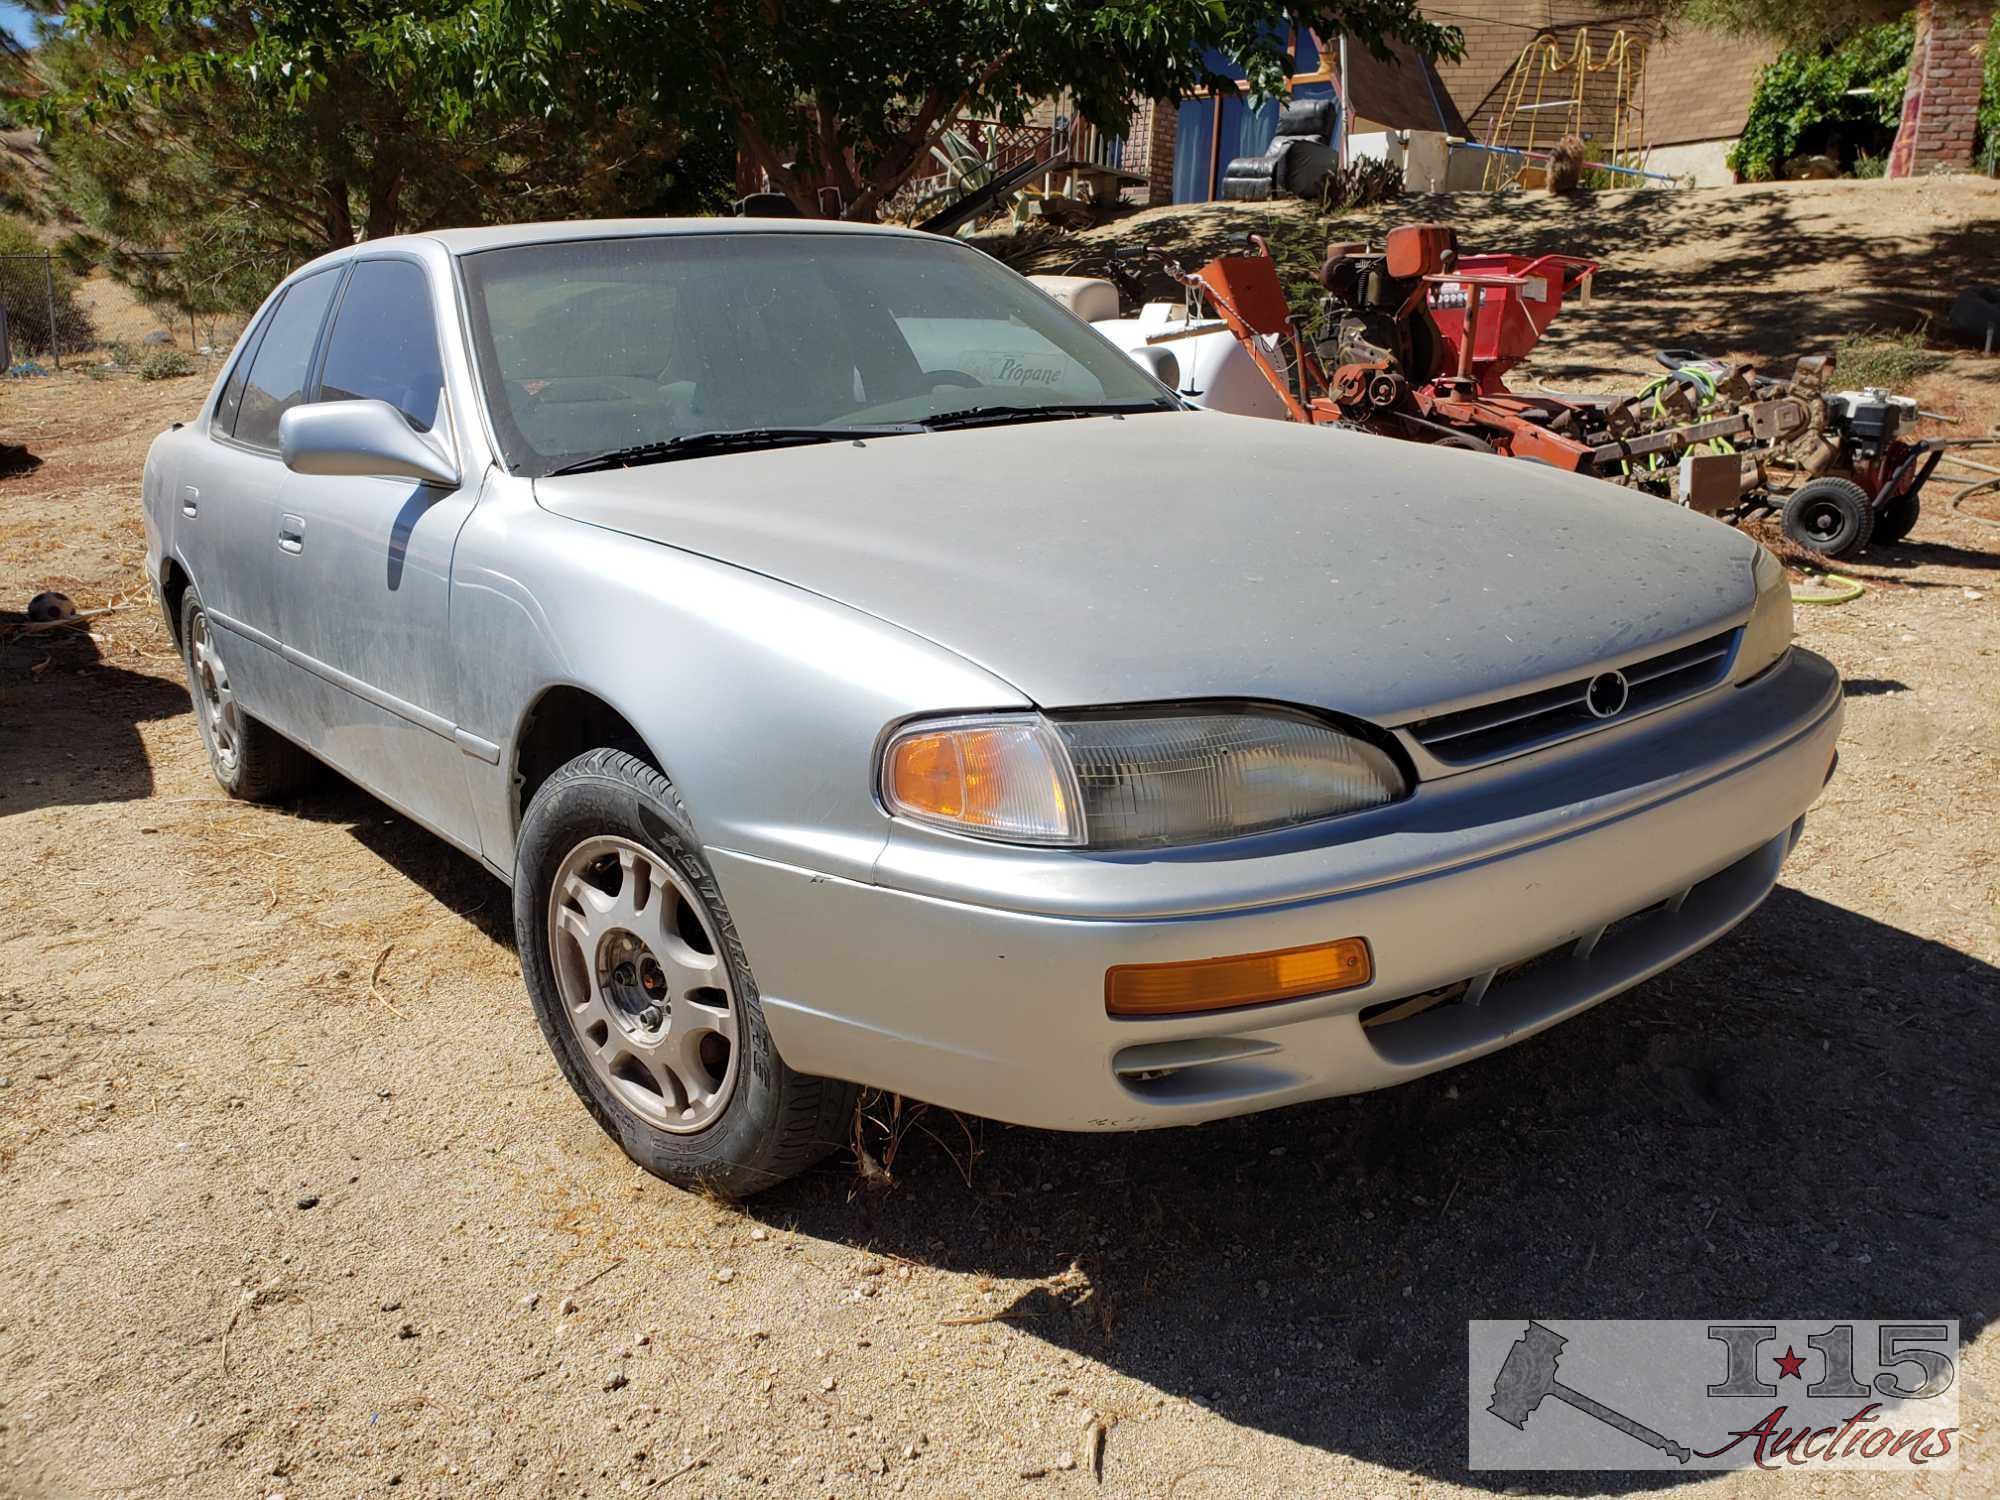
x,y
762,702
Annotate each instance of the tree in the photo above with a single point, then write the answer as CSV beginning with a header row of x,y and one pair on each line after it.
x,y
1797,23
247,138
854,96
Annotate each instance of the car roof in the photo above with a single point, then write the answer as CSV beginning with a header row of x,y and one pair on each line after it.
x,y
497,236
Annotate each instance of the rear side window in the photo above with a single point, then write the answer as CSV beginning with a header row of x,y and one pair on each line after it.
x,y
384,343
278,368
232,392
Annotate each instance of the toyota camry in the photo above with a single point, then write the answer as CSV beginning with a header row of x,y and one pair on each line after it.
x,y
866,675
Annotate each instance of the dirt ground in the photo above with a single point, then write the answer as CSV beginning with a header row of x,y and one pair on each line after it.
x,y
1761,271
293,1201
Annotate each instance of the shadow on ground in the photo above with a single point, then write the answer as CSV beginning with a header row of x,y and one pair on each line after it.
x,y
1797,1121
1926,554
456,881
69,723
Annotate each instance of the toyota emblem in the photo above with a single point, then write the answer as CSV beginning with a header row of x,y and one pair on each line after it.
x,y
1607,694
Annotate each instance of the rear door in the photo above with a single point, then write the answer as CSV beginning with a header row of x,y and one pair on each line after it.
x,y
229,503
366,577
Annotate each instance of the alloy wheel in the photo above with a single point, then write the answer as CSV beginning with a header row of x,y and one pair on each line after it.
x,y
643,983
214,703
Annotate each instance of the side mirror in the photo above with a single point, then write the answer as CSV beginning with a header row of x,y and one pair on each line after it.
x,y
1159,363
367,439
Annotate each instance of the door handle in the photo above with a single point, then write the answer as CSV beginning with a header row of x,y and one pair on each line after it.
x,y
292,534
190,500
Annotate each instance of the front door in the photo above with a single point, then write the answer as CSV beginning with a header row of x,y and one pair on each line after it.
x,y
366,608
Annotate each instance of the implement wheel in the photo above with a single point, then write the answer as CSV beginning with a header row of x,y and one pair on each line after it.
x,y
1831,516
1897,518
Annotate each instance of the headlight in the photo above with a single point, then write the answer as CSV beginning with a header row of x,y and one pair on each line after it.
x,y
1768,636
1131,780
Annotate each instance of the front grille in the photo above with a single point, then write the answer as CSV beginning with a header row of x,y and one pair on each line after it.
x,y
1514,725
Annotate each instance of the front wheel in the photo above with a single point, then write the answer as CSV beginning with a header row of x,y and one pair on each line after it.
x,y
643,991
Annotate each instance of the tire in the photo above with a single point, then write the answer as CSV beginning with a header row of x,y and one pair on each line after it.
x,y
1897,519
644,994
1832,517
250,760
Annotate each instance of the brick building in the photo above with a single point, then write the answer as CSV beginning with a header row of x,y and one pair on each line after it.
x,y
1941,102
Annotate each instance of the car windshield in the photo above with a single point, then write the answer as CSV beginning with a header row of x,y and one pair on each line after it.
x,y
591,347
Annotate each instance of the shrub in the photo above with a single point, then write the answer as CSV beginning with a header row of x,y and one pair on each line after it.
x,y
1811,90
1362,182
165,364
24,292
1888,360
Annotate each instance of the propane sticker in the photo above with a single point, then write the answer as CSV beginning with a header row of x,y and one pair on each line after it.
x,y
1012,367
1781,1395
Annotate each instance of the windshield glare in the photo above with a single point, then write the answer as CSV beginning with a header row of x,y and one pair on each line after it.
x,y
586,346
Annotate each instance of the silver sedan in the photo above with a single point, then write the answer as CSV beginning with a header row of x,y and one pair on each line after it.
x,y
864,674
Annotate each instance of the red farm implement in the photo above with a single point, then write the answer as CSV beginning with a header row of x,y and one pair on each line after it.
x,y
1414,341
1508,300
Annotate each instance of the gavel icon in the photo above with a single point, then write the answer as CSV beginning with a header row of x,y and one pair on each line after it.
x,y
1529,1374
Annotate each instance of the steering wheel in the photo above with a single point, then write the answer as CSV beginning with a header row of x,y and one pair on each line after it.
x,y
955,378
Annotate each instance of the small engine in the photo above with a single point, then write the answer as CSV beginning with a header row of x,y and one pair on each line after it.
x,y
1866,422
1375,311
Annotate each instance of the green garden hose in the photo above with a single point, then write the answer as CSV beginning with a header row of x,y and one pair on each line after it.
x,y
1850,588
1706,398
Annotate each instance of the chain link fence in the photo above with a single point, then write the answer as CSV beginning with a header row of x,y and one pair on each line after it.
x,y
12,288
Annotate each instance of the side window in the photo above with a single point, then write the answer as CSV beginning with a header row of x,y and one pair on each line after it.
x,y
384,343
277,378
232,392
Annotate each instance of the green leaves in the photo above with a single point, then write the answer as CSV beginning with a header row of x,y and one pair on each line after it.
x,y
317,120
855,94
1801,23
1989,103
1860,82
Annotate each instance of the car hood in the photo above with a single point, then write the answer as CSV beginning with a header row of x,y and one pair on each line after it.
x,y
1197,555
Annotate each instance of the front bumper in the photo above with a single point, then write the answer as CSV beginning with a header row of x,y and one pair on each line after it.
x,y
1536,871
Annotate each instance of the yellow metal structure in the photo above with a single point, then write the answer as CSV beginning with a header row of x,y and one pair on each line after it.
x,y
1565,85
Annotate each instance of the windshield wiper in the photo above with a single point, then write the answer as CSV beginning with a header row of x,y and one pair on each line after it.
x,y
993,416
694,444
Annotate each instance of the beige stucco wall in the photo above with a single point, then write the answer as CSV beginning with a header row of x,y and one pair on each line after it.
x,y
1422,154
1705,161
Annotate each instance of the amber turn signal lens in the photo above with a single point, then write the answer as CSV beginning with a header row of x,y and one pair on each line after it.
x,y
1004,777
1248,979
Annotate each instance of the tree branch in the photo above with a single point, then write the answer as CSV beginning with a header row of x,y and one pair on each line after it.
x,y
927,127
834,159
782,177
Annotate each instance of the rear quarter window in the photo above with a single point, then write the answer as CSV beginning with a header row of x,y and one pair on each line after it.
x,y
282,359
